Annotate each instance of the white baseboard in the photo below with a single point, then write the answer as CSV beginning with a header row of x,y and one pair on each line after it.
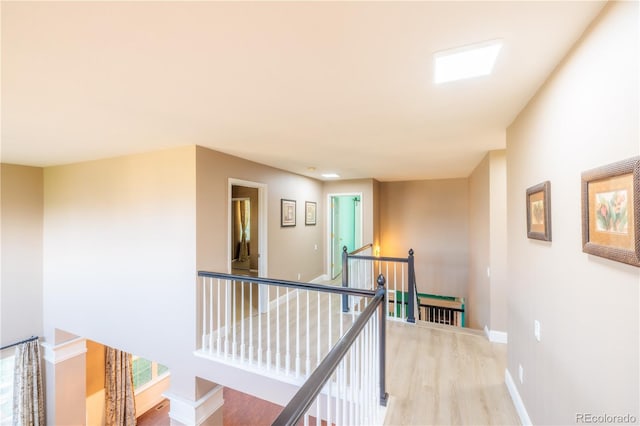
x,y
320,279
517,400
496,336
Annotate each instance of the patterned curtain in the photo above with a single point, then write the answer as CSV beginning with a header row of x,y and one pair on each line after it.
x,y
28,393
120,405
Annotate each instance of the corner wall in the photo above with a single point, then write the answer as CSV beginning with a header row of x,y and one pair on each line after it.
x,y
586,115
22,213
432,217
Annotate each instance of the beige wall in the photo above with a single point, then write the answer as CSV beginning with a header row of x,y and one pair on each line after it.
x,y
95,367
119,255
21,204
292,250
479,296
432,217
586,115
498,243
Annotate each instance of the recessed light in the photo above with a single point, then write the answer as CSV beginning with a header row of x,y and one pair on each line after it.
x,y
330,175
474,60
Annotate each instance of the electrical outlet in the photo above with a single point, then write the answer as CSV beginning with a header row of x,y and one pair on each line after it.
x,y
299,275
520,373
315,247
536,329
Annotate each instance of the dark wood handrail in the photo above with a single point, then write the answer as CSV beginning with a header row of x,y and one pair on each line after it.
x,y
290,284
361,249
302,400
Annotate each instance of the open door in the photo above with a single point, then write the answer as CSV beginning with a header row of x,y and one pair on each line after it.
x,y
247,242
345,229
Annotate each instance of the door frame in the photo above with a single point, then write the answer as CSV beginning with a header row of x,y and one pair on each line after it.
x,y
329,216
263,302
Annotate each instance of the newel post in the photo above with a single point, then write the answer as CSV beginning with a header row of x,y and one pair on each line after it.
x,y
382,337
345,278
412,289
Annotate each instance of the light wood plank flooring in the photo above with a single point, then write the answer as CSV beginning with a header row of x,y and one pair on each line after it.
x,y
442,375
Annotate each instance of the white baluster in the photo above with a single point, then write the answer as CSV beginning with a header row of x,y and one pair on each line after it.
x,y
234,320
218,331
329,334
260,329
242,322
297,332
268,331
287,362
318,331
210,315
250,323
278,329
226,318
204,314
308,363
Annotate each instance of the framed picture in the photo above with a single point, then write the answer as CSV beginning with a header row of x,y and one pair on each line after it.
x,y
611,211
539,211
310,213
287,212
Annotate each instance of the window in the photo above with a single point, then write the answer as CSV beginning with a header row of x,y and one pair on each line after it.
x,y
146,372
6,390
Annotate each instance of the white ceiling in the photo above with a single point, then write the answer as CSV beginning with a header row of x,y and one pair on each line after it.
x,y
342,87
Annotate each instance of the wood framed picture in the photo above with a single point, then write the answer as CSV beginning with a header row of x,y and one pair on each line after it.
x,y
539,211
610,211
287,212
310,208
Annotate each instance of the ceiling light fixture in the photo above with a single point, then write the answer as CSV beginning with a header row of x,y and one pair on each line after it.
x,y
474,60
330,175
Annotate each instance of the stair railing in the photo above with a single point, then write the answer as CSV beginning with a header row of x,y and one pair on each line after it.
x,y
347,387
359,269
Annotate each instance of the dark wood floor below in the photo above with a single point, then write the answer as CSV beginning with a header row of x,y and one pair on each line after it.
x,y
239,409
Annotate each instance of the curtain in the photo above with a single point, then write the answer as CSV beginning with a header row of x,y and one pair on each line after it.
x,y
120,403
28,393
244,250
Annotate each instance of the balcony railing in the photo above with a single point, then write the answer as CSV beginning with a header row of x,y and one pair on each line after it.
x,y
297,331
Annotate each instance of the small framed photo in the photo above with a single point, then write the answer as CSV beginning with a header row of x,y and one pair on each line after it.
x,y
310,213
539,211
610,211
287,212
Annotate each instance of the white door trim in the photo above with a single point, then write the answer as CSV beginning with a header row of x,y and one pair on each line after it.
x,y
329,216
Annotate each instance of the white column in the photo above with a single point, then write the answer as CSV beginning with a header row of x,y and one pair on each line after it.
x,y
204,411
65,381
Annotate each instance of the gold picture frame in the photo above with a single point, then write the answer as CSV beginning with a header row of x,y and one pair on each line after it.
x,y
539,211
611,211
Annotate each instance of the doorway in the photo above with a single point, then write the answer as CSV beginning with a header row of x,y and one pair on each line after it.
x,y
345,228
247,239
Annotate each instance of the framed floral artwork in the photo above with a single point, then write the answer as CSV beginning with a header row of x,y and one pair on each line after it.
x,y
539,211
610,211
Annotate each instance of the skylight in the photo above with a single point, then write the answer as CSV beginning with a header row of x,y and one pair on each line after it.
x,y
474,60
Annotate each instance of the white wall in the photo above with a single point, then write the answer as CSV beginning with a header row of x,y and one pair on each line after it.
x,y
586,115
119,255
21,205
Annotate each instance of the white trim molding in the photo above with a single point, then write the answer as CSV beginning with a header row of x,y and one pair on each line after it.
x,y
195,413
64,351
517,400
320,279
495,336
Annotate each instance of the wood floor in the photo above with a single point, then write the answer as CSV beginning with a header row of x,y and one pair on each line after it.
x,y
436,375
442,375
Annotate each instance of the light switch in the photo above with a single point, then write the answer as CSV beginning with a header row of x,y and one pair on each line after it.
x,y
536,329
